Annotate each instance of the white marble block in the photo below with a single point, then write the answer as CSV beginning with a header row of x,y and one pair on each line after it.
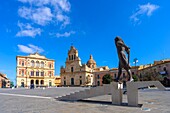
x,y
116,91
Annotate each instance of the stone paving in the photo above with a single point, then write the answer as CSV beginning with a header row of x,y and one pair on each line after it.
x,y
23,101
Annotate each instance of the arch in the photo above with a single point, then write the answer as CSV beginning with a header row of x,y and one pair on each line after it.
x,y
32,82
42,82
50,83
42,64
22,82
37,82
80,82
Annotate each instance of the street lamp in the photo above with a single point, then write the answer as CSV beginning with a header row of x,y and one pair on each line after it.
x,y
135,60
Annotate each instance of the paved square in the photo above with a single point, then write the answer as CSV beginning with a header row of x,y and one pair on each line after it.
x,y
43,101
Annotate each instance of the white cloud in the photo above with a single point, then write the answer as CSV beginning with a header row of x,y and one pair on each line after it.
x,y
64,5
63,18
28,30
147,9
45,12
41,16
30,49
57,4
66,34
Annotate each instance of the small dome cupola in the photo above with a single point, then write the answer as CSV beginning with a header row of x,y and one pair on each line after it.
x,y
91,63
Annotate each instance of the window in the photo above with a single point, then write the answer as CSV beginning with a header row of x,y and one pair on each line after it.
x,y
42,64
50,73
22,63
64,77
80,76
32,63
72,57
37,73
98,76
50,65
32,73
37,64
22,72
72,69
42,73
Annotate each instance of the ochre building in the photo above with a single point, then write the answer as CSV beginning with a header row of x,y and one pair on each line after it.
x,y
4,81
35,69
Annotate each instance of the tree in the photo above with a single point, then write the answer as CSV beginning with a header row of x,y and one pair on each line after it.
x,y
107,79
135,77
11,84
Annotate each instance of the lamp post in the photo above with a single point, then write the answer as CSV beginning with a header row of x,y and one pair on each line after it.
x,y
135,61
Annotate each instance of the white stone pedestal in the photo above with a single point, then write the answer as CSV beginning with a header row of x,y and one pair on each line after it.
x,y
132,90
116,91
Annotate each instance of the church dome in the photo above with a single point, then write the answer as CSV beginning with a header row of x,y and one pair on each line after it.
x,y
91,61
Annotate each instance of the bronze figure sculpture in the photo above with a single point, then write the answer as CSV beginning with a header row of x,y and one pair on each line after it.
x,y
123,60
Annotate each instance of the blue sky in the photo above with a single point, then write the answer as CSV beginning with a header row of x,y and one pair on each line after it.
x,y
51,26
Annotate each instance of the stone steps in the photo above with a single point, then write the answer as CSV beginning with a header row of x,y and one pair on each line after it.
x,y
87,93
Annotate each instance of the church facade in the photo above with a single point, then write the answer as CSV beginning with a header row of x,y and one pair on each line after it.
x,y
75,73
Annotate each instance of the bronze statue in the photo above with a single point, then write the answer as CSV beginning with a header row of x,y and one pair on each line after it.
x,y
123,60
